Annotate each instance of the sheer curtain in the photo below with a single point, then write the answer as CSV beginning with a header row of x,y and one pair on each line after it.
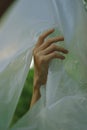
x,y
63,104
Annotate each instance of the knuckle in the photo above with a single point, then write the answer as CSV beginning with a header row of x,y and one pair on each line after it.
x,y
36,52
53,46
55,54
48,40
37,57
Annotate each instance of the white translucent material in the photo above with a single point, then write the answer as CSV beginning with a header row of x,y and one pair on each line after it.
x,y
63,105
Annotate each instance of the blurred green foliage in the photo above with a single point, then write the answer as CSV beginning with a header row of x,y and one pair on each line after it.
x,y
25,98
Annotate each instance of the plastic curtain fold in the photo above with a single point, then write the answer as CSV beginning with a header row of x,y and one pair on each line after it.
x,y
63,102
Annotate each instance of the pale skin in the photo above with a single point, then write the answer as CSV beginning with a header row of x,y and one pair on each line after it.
x,y
43,53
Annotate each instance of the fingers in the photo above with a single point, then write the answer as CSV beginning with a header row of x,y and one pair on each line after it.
x,y
54,55
47,33
54,47
50,41
43,36
47,49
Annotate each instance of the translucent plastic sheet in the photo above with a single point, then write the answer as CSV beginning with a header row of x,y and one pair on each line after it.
x,y
63,105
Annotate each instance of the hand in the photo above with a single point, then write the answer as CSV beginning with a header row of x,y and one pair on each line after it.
x,y
43,53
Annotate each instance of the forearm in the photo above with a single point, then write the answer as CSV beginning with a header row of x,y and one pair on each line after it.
x,y
36,92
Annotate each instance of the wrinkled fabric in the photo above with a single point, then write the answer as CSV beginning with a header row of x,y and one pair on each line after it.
x,y
63,102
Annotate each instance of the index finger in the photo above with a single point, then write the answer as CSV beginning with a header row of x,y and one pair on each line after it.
x,y
43,36
47,33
